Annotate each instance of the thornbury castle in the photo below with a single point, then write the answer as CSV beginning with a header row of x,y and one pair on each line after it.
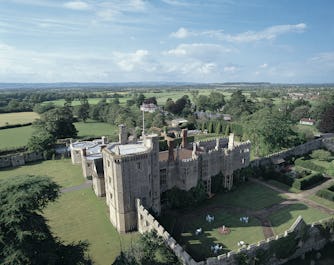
x,y
128,170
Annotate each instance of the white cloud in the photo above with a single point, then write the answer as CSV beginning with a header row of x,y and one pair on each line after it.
x,y
176,2
266,34
230,69
181,33
203,51
264,65
77,5
324,57
131,61
248,36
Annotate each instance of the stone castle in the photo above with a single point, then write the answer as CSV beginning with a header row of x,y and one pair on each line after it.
x,y
128,170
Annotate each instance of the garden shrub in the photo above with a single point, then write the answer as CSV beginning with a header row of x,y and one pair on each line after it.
x,y
309,164
307,181
9,126
326,194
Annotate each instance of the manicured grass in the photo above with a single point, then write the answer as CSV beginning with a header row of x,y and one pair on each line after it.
x,y
248,195
282,186
199,246
80,215
322,201
284,218
329,166
61,171
15,137
17,118
96,129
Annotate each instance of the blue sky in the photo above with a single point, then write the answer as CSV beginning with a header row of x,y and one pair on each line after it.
x,y
279,41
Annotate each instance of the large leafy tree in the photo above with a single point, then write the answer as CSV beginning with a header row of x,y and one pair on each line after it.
x,y
83,110
326,123
269,131
25,237
149,249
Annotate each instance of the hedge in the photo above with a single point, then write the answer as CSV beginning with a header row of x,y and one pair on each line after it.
x,y
9,126
326,194
309,164
307,181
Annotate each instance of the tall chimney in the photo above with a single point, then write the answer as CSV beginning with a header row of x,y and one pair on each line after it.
x,y
231,141
170,143
84,152
123,135
184,134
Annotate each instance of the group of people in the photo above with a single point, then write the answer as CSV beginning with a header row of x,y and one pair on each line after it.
x,y
244,219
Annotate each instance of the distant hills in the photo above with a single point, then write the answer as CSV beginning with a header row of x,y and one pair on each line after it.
x,y
116,85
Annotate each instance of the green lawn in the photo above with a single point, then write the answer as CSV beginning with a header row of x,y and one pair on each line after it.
x,y
15,137
61,171
96,129
284,218
248,195
80,215
282,186
199,246
322,201
17,118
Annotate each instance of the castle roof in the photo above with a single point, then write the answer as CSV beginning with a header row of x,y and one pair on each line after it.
x,y
127,149
183,154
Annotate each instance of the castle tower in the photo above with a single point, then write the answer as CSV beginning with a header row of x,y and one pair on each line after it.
x,y
131,171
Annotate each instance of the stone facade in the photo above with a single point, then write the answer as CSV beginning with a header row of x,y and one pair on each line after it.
x,y
138,170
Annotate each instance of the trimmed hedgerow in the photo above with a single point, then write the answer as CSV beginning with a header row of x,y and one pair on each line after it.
x,y
326,194
307,181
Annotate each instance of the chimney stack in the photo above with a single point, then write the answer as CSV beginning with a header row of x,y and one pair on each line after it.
x,y
84,152
231,141
170,143
123,135
184,134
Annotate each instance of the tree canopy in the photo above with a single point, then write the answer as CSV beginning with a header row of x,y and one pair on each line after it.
x,y
25,237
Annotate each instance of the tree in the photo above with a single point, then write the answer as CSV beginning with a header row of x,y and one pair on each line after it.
x,y
149,249
40,141
25,237
326,124
83,111
269,131
59,122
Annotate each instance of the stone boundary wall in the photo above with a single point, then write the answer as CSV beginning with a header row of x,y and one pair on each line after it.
x,y
316,241
20,159
295,151
146,222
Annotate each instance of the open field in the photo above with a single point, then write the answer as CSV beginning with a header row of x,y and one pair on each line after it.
x,y
17,118
282,186
60,102
80,215
284,218
15,137
96,129
61,171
